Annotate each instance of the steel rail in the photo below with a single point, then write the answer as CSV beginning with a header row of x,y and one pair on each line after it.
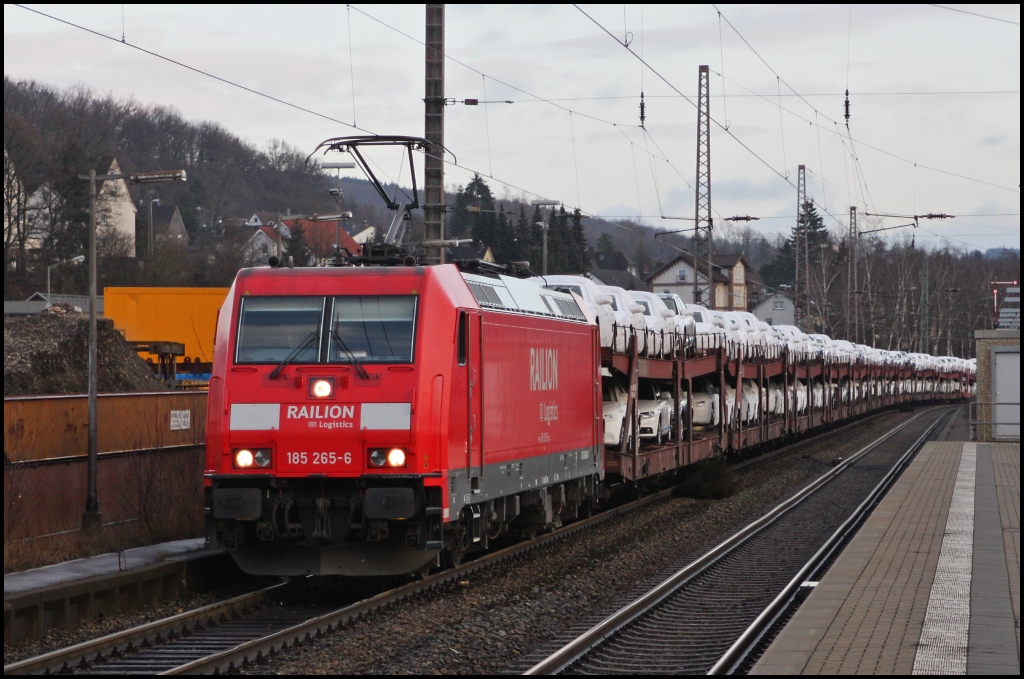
x,y
255,650
120,642
613,623
126,641
750,638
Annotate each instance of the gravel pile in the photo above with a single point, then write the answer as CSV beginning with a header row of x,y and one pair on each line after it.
x,y
49,354
505,618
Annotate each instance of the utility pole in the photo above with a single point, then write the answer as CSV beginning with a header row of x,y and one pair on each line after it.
x,y
924,330
433,181
852,285
703,281
801,287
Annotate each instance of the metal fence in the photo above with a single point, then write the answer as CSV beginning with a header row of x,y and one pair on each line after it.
x,y
985,427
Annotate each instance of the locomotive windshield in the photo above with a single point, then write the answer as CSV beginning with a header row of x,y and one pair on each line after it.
x,y
373,329
362,329
271,329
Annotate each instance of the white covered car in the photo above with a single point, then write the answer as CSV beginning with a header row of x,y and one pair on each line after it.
x,y
614,395
655,413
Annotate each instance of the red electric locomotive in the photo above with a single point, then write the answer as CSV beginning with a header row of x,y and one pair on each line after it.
x,y
377,420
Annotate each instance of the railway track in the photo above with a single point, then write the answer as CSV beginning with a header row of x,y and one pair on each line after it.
x,y
709,615
254,627
248,629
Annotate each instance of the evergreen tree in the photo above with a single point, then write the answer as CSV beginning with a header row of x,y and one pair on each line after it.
x,y
506,245
580,261
605,243
559,243
782,270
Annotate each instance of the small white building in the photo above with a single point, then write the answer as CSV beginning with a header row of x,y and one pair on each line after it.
x,y
115,210
776,309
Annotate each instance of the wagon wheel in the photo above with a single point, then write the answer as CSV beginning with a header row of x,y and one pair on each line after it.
x,y
423,571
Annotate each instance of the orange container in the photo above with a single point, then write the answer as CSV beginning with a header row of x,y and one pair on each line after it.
x,y
185,315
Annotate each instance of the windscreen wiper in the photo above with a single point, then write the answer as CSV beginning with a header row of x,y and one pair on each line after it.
x,y
305,344
360,370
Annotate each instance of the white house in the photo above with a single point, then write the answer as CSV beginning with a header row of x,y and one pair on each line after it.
x,y
115,210
776,309
729,278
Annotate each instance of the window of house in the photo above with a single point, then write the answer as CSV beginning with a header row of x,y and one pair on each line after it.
x,y
681,275
778,305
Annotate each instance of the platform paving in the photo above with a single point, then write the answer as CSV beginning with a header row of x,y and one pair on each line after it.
x,y
931,582
101,565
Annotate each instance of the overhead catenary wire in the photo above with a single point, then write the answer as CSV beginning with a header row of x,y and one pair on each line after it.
x,y
675,89
197,70
479,72
983,16
751,94
678,92
295,106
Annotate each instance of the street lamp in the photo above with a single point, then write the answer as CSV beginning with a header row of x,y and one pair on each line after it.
x,y
92,517
74,260
544,229
338,194
337,219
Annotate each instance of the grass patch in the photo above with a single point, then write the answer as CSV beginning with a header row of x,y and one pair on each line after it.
x,y
707,480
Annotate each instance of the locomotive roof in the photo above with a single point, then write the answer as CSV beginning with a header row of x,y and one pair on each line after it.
x,y
515,295
502,293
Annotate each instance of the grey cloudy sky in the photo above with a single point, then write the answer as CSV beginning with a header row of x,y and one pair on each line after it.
x,y
935,97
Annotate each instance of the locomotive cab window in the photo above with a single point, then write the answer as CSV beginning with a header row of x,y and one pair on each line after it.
x,y
463,337
271,329
372,329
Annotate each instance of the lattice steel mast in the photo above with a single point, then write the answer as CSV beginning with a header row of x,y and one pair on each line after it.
x,y
433,171
801,286
703,281
852,284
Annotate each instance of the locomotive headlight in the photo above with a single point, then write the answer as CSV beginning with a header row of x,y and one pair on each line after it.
x,y
244,458
321,387
388,457
396,457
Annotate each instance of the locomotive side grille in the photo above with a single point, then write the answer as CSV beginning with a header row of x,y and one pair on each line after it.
x,y
569,309
485,295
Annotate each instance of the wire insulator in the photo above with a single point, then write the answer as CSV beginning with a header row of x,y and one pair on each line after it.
x,y
846,107
643,110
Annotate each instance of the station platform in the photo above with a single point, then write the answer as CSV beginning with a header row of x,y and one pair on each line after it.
x,y
69,572
930,584
73,591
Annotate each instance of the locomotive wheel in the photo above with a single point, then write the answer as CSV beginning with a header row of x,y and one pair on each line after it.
x,y
452,557
453,554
